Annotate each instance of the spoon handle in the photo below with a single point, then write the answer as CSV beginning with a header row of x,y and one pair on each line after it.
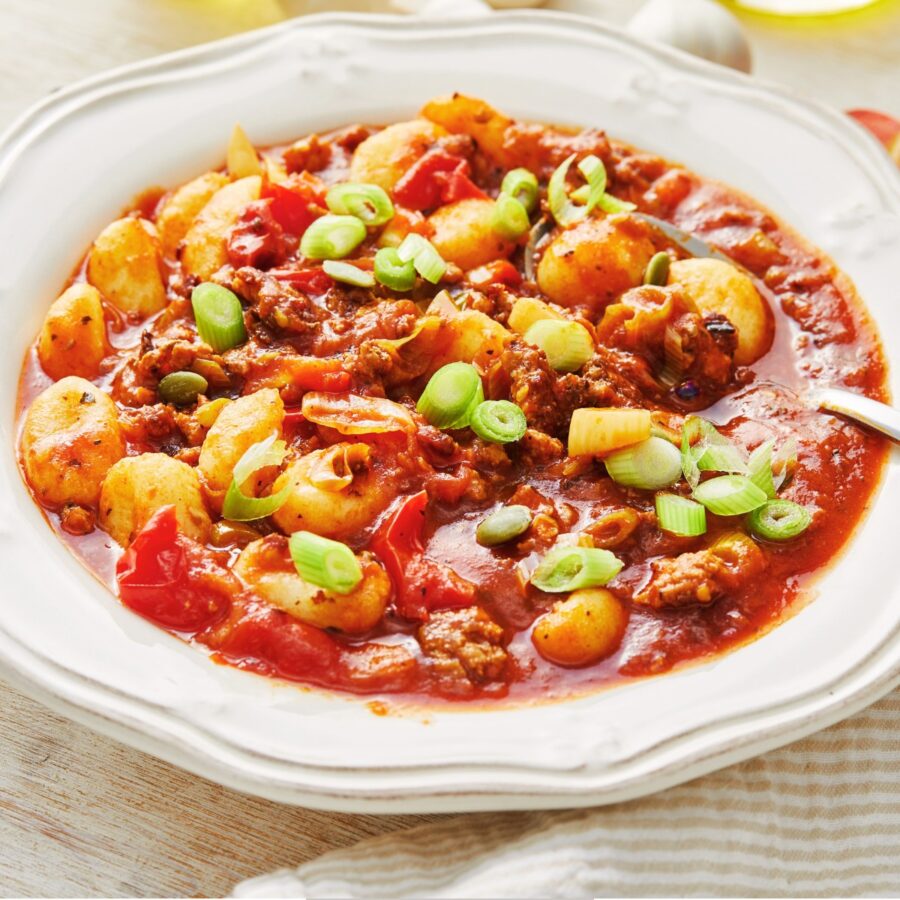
x,y
870,412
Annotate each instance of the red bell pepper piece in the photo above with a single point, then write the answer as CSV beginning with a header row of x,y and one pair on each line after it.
x,y
295,202
420,584
257,239
434,179
310,281
501,271
171,579
283,644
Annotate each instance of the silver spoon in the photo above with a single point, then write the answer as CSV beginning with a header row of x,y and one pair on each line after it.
x,y
860,409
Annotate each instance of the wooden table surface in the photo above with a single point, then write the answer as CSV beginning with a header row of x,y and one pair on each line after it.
x,y
83,815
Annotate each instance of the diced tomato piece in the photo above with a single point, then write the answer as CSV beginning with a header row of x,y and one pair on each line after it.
x,y
257,239
501,271
289,647
310,281
420,584
434,179
883,126
171,579
296,201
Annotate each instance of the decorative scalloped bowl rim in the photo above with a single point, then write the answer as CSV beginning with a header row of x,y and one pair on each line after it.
x,y
67,641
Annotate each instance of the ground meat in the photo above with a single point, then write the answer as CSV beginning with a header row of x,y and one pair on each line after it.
x,y
75,519
463,645
309,154
703,576
275,303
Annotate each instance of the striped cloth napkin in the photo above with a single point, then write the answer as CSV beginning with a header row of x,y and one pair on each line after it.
x,y
818,818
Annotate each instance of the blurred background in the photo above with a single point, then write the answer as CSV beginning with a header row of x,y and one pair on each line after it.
x,y
851,59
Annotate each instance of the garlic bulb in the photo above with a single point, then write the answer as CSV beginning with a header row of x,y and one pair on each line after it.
x,y
701,27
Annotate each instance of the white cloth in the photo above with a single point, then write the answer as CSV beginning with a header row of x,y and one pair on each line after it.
x,y
819,818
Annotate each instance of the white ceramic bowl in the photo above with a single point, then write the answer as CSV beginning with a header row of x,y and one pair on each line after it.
x,y
67,168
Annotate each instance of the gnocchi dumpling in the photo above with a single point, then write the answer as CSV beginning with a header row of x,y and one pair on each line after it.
x,y
716,286
334,509
595,261
137,486
239,425
73,337
124,265
463,234
468,336
179,211
204,248
70,439
384,158
582,629
266,568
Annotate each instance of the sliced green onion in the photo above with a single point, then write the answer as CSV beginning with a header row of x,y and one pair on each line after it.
x,y
613,205
784,461
567,345
523,185
393,272
181,388
238,506
759,468
720,458
680,515
572,568
368,202
427,261
451,396
704,449
325,563
595,174
501,526
657,271
649,465
730,495
348,274
332,237
498,421
563,205
219,316
779,520
509,218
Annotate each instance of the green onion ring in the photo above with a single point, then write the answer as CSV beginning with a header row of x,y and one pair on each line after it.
x,y
779,520
219,316
332,237
566,569
451,396
498,421
368,202
393,272
325,563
